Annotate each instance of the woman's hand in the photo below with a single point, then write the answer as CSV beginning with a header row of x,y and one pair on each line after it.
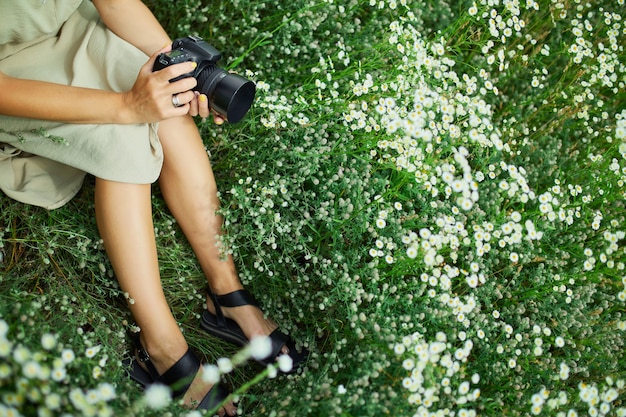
x,y
153,97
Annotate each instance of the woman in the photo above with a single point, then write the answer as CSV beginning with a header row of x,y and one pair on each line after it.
x,y
79,96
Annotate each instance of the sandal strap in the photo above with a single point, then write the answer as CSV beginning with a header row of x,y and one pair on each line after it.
x,y
232,299
216,395
143,356
180,376
236,299
278,339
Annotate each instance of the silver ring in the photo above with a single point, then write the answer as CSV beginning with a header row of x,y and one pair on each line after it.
x,y
175,101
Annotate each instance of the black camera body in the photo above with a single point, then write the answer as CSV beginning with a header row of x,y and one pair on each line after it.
x,y
230,95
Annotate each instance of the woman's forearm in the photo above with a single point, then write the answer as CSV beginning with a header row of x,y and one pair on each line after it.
x,y
150,99
48,101
132,21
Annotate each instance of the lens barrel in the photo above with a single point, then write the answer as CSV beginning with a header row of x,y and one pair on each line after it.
x,y
230,95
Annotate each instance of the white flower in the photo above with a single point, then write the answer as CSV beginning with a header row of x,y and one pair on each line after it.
x,y
536,409
93,396
5,370
157,396
67,355
53,401
211,374
272,372
32,370
408,364
407,383
5,347
48,341
472,281
77,398
260,347
58,374
285,363
464,388
537,399
21,354
106,391
92,351
224,365
610,396
341,390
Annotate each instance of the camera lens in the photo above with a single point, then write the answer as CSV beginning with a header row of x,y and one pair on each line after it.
x,y
230,95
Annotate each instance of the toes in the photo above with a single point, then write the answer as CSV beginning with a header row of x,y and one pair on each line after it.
x,y
229,410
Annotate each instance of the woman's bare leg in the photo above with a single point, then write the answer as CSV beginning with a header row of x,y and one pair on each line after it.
x,y
189,188
124,216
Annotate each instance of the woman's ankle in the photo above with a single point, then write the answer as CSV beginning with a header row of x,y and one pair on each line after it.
x,y
164,352
223,287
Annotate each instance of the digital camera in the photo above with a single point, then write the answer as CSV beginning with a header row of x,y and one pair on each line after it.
x,y
230,95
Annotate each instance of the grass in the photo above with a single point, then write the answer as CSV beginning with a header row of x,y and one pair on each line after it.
x,y
429,195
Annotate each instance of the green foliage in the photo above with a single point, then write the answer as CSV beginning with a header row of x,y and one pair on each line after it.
x,y
428,195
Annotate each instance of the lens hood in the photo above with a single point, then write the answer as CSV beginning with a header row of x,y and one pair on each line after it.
x,y
232,96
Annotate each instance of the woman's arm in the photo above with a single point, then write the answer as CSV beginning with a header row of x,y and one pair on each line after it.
x,y
132,21
150,99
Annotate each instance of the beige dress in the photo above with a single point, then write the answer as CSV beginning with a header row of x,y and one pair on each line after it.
x,y
63,41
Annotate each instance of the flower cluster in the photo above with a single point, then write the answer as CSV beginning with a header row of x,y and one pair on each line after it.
x,y
455,232
38,381
598,400
437,374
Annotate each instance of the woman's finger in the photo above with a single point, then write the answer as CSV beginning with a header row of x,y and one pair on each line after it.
x,y
175,71
203,106
193,105
184,98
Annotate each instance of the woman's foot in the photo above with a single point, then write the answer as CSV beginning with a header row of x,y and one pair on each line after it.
x,y
250,319
220,319
167,355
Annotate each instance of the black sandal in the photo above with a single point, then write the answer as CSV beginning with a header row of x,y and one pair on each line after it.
x,y
179,377
229,330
